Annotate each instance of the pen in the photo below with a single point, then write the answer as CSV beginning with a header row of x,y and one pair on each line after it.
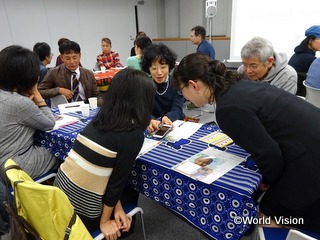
x,y
72,106
181,124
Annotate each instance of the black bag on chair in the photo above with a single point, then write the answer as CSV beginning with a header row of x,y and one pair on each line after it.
x,y
20,229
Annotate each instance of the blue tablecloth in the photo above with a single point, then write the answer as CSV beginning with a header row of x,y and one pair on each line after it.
x,y
213,208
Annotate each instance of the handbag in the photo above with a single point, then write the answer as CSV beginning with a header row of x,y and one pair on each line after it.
x,y
20,229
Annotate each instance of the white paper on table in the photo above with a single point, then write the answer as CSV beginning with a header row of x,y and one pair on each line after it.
x,y
70,107
64,120
182,129
148,144
220,163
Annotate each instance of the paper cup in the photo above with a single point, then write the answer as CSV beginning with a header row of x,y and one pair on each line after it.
x,y
103,69
93,101
85,110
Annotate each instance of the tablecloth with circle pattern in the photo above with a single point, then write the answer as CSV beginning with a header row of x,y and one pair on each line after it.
x,y
213,208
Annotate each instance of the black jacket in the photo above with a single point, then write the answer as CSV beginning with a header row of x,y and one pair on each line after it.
x,y
282,133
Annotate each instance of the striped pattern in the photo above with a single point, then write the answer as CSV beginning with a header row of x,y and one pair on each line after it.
x,y
75,171
242,180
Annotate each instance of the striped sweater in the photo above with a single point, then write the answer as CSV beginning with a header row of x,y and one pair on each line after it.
x,y
97,168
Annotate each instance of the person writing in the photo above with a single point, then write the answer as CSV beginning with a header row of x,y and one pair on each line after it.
x,y
104,153
22,112
259,118
304,55
261,63
158,60
69,79
108,58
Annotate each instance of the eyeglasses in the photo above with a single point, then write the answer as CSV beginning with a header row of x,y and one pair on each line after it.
x,y
252,67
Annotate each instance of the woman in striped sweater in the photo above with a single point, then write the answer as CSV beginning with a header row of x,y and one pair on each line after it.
x,y
95,173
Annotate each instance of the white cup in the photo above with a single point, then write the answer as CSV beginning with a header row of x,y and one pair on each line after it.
x,y
103,69
93,101
85,110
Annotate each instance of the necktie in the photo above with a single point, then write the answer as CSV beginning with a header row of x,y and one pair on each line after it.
x,y
75,87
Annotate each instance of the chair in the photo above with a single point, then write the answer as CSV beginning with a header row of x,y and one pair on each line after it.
x,y
130,209
46,208
269,233
312,95
56,100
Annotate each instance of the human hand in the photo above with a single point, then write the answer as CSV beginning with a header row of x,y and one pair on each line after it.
x,y
154,125
110,230
166,121
66,92
123,220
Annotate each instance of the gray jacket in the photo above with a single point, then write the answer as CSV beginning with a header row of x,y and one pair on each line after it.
x,y
280,75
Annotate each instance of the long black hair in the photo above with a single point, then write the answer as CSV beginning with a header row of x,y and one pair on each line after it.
x,y
198,66
128,103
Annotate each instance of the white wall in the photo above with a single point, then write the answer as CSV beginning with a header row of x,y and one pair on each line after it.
x,y
26,22
86,22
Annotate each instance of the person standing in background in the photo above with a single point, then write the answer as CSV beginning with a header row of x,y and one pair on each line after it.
x,y
108,58
304,55
261,63
44,54
198,37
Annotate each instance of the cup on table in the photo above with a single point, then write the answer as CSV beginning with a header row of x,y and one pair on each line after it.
x,y
93,101
85,110
103,69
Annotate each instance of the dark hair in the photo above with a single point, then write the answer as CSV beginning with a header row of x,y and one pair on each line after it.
x,y
69,47
19,69
142,42
198,66
140,34
128,103
42,50
107,40
157,52
199,30
305,42
62,40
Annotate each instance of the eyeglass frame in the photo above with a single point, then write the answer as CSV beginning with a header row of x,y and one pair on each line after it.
x,y
252,68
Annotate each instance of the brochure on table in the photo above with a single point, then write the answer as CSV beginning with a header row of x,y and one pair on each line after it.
x,y
208,165
64,120
182,129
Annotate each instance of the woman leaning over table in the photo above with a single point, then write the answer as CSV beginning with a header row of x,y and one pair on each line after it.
x,y
22,112
278,129
104,152
158,60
